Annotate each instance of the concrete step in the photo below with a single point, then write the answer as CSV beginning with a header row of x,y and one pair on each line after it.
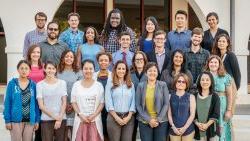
x,y
241,121
242,134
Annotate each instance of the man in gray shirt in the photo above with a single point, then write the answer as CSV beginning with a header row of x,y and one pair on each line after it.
x,y
52,48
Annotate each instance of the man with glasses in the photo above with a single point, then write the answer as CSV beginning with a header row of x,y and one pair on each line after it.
x,y
73,37
37,35
52,48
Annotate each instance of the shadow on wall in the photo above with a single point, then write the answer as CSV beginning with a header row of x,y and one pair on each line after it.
x,y
3,56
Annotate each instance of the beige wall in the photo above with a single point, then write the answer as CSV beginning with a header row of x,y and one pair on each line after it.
x,y
178,5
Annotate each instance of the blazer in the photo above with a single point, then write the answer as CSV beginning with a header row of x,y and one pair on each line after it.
x,y
136,80
161,101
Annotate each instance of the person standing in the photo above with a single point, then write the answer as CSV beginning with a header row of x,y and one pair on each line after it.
x,y
37,35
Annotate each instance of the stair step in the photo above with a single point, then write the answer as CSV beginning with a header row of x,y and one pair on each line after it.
x,y
241,121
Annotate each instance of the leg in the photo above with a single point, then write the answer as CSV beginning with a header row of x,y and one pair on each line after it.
x,y
28,132
47,130
146,132
114,129
135,129
127,130
38,136
189,137
160,132
60,133
16,132
175,138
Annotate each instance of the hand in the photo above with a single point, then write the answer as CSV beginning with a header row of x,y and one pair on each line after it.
x,y
69,108
36,126
176,131
119,121
8,126
58,118
199,125
182,130
204,126
91,117
57,124
126,119
228,115
153,123
84,118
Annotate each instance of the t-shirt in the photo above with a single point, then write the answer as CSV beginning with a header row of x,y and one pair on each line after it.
x,y
52,96
36,74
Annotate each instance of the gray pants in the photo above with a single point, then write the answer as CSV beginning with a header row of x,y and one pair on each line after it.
x,y
117,132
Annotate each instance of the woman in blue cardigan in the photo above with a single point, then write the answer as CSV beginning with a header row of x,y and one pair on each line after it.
x,y
21,112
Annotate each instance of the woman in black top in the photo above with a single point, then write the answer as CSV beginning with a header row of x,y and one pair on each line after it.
x,y
212,32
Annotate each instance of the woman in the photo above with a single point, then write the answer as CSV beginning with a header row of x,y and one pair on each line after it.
x,y
21,112
91,48
207,109
68,71
52,99
87,99
120,104
212,32
177,66
152,99
146,40
181,112
222,48
223,88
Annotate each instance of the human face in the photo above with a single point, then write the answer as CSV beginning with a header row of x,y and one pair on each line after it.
x,y
205,81
35,54
88,70
50,71
40,22
150,27
212,21
181,20
104,62
196,39
213,65
181,84
90,34
125,41
121,70
152,73
222,43
73,22
139,61
159,40
115,20
69,59
53,31
23,70
178,59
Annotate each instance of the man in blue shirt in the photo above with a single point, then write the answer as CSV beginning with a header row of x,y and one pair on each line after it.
x,y
179,38
73,37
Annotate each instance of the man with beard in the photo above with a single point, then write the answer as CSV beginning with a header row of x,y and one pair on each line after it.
x,y
52,48
37,35
73,37
114,25
196,56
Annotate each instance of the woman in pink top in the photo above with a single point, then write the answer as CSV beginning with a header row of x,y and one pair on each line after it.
x,y
34,58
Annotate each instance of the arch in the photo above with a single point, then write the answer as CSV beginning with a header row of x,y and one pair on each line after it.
x,y
3,56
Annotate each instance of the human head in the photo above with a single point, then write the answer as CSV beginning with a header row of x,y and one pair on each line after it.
x,y
222,42
104,59
181,18
40,19
53,30
204,80
159,38
50,69
196,36
212,19
152,71
67,58
214,63
73,20
34,53
91,34
23,68
150,25
178,59
181,81
88,68
139,60
125,40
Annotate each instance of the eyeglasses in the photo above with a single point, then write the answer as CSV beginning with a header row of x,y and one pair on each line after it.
x,y
139,60
40,19
161,39
181,81
53,29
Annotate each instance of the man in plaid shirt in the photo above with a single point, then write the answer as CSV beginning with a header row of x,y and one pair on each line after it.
x,y
114,25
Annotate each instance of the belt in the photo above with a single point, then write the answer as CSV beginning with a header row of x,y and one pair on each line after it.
x,y
221,94
122,114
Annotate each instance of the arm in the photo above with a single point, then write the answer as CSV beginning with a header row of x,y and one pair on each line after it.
x,y
38,114
229,94
78,57
8,104
26,46
235,70
164,108
108,98
132,106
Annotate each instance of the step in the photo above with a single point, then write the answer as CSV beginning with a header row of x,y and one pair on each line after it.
x,y
241,121
242,134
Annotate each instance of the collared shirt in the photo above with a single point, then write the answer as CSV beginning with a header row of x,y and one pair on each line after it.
x,y
72,38
179,40
111,45
52,52
118,55
120,99
196,61
31,38
160,59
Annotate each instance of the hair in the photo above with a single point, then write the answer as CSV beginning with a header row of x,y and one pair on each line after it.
x,y
150,65
197,31
41,14
104,53
61,65
212,14
30,50
211,88
107,26
215,49
123,33
50,63
53,22
73,14
154,21
96,39
183,65
182,12
159,32
221,70
23,62
127,77
133,68
186,78
88,61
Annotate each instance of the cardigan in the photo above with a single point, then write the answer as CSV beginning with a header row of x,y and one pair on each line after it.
x,y
136,80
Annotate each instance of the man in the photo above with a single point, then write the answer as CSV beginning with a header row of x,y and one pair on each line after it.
x,y
73,37
160,55
37,35
179,38
124,53
52,48
115,24
196,56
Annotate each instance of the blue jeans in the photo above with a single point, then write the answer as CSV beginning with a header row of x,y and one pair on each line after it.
x,y
158,133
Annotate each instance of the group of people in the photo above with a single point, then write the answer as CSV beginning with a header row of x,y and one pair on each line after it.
x,y
80,86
